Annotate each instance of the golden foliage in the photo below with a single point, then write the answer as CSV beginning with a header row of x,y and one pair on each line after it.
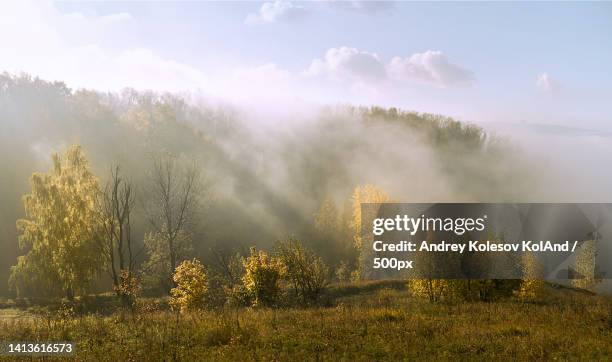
x,y
585,266
432,289
60,228
326,219
306,271
365,194
532,288
262,277
128,288
191,286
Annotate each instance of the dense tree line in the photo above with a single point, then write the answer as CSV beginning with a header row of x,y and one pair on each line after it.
x,y
256,182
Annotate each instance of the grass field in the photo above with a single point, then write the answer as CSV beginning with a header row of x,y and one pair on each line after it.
x,y
371,321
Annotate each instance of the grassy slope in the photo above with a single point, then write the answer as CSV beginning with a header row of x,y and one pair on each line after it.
x,y
366,322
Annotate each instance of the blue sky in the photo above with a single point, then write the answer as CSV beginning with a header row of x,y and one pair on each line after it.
x,y
546,62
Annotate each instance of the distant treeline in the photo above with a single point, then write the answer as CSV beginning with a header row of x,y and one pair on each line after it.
x,y
263,181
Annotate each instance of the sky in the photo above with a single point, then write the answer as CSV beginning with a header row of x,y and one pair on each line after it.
x,y
542,63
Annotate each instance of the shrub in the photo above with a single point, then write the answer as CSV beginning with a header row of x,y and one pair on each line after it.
x,y
306,272
262,277
157,271
343,272
484,290
432,289
238,296
128,288
191,286
225,280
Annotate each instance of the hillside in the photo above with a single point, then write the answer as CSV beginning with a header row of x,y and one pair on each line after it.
x,y
264,182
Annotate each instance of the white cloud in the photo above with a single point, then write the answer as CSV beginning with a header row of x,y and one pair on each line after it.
x,y
279,10
40,43
350,64
346,63
430,67
40,40
546,83
35,37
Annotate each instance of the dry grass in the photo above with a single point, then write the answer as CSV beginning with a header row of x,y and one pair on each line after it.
x,y
370,324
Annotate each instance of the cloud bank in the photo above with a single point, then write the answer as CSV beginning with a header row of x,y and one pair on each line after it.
x,y
348,63
82,61
430,67
87,50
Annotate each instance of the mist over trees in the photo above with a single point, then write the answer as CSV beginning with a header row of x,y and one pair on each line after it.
x,y
202,181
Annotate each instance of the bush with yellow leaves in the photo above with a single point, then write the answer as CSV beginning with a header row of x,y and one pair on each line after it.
x,y
191,286
305,271
262,278
128,288
432,289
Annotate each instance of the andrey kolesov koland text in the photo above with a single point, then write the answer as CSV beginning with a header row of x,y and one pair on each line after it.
x,y
475,246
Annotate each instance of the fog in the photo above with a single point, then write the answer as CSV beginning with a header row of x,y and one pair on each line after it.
x,y
268,169
572,163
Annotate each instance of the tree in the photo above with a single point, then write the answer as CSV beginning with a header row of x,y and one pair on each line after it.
x,y
174,198
432,289
431,268
61,229
116,205
584,266
155,268
326,219
225,278
343,272
532,286
363,194
306,272
227,265
475,266
191,286
262,277
128,288
334,238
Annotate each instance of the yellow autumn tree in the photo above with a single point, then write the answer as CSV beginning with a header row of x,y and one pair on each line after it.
x,y
430,267
363,194
333,235
533,287
326,219
191,286
432,289
60,229
262,277
584,266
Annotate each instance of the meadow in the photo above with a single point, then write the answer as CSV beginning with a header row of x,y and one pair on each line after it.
x,y
363,321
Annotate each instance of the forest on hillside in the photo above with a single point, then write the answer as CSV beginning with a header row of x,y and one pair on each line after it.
x,y
144,226
255,182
